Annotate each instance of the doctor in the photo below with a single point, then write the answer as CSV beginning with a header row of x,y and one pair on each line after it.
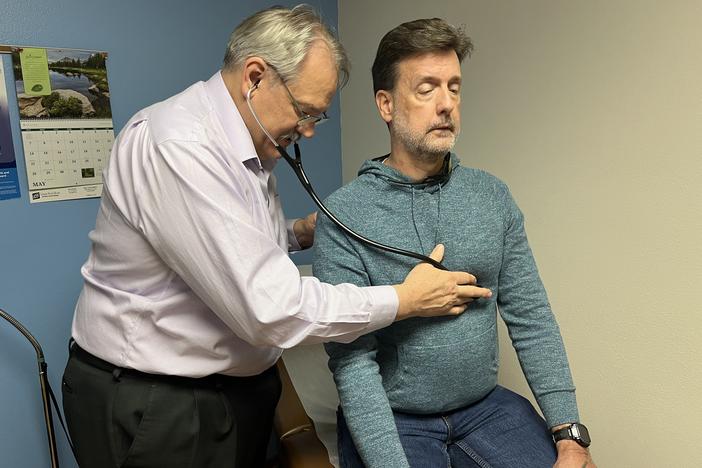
x,y
189,294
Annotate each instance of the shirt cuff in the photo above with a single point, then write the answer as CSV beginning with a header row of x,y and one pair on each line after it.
x,y
293,244
384,303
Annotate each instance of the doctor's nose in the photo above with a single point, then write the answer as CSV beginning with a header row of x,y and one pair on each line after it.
x,y
306,131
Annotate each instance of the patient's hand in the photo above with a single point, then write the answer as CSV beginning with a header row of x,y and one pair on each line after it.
x,y
572,455
428,291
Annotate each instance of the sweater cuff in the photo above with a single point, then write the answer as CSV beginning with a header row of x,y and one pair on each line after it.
x,y
559,408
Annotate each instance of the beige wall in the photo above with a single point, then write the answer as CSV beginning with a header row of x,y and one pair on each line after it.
x,y
592,113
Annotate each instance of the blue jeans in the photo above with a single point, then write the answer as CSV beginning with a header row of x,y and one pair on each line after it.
x,y
503,430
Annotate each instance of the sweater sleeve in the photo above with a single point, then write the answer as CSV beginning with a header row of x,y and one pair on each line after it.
x,y
362,396
535,335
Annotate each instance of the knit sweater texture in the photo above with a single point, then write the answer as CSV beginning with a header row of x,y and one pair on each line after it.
x,y
436,365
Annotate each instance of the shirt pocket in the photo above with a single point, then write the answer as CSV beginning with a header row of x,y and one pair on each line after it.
x,y
444,377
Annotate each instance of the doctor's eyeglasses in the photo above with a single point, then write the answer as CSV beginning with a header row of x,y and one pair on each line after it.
x,y
305,118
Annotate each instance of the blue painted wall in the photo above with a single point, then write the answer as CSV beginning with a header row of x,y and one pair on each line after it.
x,y
156,48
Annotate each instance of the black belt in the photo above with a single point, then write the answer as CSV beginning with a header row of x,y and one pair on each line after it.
x,y
213,380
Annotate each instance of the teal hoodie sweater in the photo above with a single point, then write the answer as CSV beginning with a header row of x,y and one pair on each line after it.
x,y
427,366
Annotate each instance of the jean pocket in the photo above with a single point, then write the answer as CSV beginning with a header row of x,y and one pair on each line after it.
x,y
437,378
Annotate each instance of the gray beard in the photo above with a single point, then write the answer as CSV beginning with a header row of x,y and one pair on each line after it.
x,y
419,145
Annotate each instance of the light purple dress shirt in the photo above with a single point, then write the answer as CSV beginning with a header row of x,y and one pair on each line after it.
x,y
189,272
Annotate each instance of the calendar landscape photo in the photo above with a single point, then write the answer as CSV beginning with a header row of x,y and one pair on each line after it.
x,y
79,88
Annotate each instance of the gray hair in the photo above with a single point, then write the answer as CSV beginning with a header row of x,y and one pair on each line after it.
x,y
282,37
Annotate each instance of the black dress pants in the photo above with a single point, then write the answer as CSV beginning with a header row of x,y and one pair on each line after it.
x,y
124,418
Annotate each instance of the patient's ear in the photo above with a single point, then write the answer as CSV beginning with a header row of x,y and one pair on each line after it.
x,y
383,101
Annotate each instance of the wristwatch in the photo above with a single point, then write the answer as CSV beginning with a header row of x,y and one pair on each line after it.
x,y
576,431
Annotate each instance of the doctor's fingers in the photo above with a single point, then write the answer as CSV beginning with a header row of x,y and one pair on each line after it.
x,y
462,278
468,293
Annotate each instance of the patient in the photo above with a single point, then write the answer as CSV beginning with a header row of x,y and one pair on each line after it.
x,y
425,394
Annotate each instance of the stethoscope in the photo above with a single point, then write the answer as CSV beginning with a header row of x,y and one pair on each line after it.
x,y
296,165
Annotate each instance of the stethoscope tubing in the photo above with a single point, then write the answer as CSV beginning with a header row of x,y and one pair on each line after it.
x,y
296,165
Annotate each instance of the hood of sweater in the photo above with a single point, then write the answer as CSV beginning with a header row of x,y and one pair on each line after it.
x,y
431,186
377,168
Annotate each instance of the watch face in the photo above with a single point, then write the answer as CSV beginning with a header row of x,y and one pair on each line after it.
x,y
580,434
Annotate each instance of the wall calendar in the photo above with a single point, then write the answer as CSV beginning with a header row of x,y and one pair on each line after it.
x,y
65,121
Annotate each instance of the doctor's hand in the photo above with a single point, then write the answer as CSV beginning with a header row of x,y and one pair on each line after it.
x,y
428,291
304,230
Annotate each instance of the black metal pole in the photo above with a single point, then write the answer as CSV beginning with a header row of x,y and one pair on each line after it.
x,y
48,416
44,385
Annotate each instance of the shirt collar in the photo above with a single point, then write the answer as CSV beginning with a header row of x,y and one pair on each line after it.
x,y
230,118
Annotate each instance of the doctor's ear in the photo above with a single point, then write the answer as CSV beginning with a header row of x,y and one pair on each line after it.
x,y
384,103
252,73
